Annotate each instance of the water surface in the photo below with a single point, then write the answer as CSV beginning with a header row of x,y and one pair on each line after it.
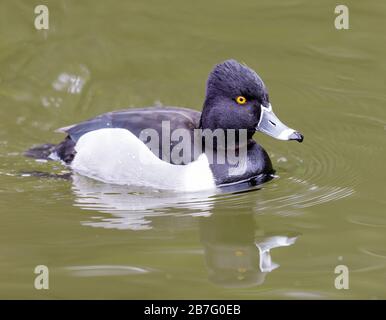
x,y
282,240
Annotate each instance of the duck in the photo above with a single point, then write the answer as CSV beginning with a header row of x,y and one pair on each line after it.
x,y
168,148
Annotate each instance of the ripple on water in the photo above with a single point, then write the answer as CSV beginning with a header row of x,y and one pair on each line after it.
x,y
375,252
311,176
106,270
374,220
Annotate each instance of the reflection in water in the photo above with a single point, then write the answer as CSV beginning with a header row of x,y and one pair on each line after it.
x,y
235,257
132,209
106,270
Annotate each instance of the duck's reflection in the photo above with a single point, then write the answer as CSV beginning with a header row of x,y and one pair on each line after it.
x,y
133,209
236,252
234,255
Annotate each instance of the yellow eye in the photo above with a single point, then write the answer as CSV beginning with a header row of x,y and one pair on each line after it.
x,y
241,100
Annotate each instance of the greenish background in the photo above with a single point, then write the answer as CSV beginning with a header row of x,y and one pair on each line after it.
x,y
102,241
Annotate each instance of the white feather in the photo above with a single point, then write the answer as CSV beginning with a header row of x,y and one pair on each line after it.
x,y
115,155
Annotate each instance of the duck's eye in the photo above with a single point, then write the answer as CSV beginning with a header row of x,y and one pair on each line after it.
x,y
241,100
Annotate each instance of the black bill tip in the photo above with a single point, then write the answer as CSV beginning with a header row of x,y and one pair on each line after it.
x,y
296,136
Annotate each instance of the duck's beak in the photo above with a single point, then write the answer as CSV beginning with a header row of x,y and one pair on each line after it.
x,y
272,126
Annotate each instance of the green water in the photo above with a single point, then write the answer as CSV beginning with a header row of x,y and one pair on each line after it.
x,y
102,241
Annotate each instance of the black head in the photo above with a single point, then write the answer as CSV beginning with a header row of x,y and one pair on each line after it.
x,y
233,97
236,98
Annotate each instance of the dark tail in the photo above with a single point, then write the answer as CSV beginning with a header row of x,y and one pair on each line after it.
x,y
41,152
65,151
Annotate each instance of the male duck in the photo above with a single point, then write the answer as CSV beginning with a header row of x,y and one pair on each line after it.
x,y
114,147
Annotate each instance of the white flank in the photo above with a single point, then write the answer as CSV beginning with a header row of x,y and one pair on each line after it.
x,y
114,155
